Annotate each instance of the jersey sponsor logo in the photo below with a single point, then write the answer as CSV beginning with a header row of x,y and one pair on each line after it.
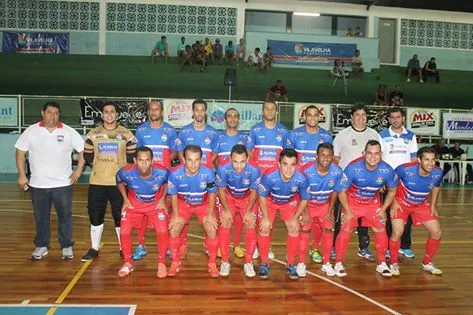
x,y
60,138
108,148
262,188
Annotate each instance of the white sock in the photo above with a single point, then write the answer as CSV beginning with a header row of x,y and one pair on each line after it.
x,y
117,229
96,235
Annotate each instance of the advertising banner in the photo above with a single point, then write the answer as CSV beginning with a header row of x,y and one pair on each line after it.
x,y
35,43
423,121
178,112
250,114
324,110
8,111
341,118
458,125
311,54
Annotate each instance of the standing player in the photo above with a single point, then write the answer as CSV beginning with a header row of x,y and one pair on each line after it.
x,y
226,140
193,191
237,184
348,146
284,190
107,148
416,182
361,182
399,146
323,179
160,137
146,185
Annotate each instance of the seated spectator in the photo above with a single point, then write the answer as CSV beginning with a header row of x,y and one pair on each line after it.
x,y
277,93
338,69
230,50
441,149
187,58
349,32
208,50
357,64
199,56
413,68
218,51
255,59
456,153
358,32
267,60
396,98
240,51
380,97
181,49
160,49
430,70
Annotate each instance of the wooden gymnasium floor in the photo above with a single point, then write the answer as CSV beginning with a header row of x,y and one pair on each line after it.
x,y
90,285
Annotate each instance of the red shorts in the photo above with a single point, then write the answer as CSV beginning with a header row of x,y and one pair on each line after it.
x,y
238,205
286,210
419,213
133,218
318,215
186,211
368,214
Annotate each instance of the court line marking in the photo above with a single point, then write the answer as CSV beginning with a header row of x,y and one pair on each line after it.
x,y
25,302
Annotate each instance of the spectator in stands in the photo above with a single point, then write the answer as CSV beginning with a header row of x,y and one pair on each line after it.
x,y
181,49
267,60
441,149
218,51
396,98
241,51
430,70
349,32
456,153
255,59
199,55
358,32
187,58
357,64
208,50
276,93
338,69
380,96
230,53
413,68
160,49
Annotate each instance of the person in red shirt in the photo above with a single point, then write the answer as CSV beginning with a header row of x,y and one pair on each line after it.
x,y
277,93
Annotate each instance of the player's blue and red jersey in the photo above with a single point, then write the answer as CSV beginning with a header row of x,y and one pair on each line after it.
x,y
162,141
238,185
143,191
413,188
363,185
266,144
194,190
320,187
306,144
225,144
278,191
206,139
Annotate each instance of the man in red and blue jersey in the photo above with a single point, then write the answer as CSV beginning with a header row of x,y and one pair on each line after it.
x,y
361,183
193,191
323,179
226,140
283,190
237,184
143,188
160,137
417,182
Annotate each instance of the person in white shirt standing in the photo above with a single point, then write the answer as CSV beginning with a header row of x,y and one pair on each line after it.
x,y
50,145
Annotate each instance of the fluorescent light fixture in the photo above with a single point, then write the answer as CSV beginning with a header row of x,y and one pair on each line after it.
x,y
306,14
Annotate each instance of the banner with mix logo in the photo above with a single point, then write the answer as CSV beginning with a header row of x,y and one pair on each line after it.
x,y
341,118
8,111
458,125
35,43
178,112
131,113
250,114
312,54
324,110
423,121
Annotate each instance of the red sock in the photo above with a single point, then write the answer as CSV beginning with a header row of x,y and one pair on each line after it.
x,y
381,245
237,229
327,241
224,237
125,241
394,250
184,234
431,248
317,233
250,244
292,245
212,246
341,244
174,244
304,241
142,231
162,242
263,245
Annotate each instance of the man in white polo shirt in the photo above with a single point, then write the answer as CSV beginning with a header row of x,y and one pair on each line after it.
x,y
50,144
399,146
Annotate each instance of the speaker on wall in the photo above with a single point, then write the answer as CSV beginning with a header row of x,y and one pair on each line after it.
x,y
230,78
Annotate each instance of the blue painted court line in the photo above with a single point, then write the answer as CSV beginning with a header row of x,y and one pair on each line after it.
x,y
64,309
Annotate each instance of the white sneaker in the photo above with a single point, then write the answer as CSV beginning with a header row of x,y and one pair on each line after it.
x,y
271,254
125,270
39,253
395,270
301,270
340,270
328,269
384,270
67,253
421,81
408,80
430,267
225,269
256,253
249,270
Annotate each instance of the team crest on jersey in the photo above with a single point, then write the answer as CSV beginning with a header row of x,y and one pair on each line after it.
x,y
331,183
353,142
178,142
202,185
155,187
170,185
379,180
261,188
164,137
431,186
246,181
279,138
60,138
344,178
294,189
207,140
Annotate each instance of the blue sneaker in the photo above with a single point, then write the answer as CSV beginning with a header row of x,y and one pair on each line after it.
x,y
168,253
140,252
264,271
407,253
292,272
366,254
